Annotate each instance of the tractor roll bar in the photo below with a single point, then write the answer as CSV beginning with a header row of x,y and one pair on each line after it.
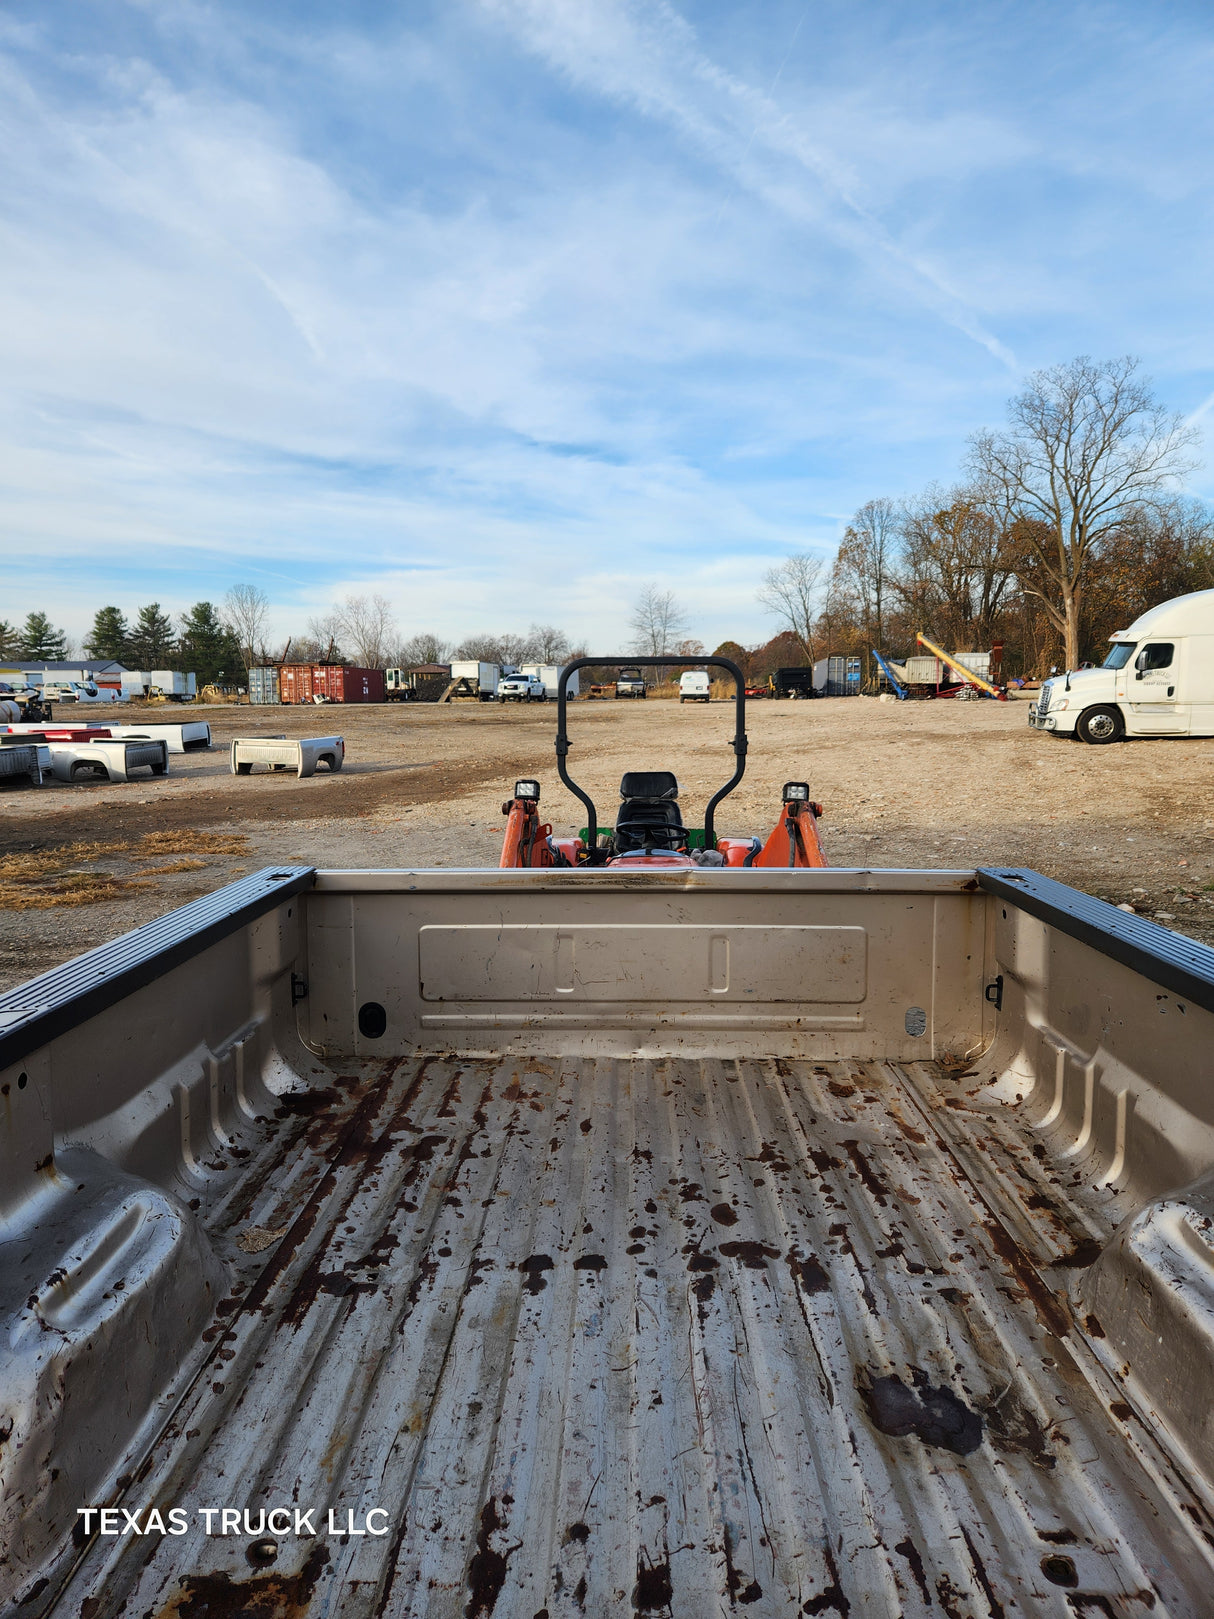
x,y
737,743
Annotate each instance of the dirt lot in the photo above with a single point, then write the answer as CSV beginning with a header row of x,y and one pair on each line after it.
x,y
906,784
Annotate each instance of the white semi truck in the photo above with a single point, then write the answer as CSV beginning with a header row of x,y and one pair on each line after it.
x,y
1158,680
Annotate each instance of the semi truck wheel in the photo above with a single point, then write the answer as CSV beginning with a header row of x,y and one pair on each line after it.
x,y
1101,724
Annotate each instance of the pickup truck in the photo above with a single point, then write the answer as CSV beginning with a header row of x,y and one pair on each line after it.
x,y
521,689
520,1243
630,683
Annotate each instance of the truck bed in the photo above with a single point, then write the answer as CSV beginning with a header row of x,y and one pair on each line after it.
x,y
605,1335
510,1244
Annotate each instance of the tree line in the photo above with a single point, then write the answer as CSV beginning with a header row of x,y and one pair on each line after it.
x,y
201,640
1067,525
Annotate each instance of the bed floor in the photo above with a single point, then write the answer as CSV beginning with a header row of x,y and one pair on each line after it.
x,y
653,1337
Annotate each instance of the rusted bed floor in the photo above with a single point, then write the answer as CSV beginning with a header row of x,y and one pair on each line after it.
x,y
654,1337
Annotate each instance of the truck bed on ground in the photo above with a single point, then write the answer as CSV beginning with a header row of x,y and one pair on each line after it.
x,y
607,1335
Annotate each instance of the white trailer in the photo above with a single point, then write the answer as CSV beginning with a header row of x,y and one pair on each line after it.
x,y
173,684
301,754
550,674
1158,680
484,676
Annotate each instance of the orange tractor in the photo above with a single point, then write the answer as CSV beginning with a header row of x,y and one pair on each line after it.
x,y
649,833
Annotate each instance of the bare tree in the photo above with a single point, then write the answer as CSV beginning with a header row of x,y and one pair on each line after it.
x,y
865,565
1086,444
367,625
484,648
424,647
959,563
542,643
657,622
322,640
548,644
246,609
790,591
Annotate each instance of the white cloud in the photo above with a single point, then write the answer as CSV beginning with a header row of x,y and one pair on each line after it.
x,y
546,296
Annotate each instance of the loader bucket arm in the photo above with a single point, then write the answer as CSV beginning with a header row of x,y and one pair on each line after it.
x,y
738,741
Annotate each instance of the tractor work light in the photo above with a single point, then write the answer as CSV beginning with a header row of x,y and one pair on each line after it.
x,y
530,790
796,792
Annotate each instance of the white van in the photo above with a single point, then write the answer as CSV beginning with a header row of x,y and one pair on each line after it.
x,y
693,686
1158,680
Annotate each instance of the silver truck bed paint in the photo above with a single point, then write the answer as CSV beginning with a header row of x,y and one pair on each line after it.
x,y
181,736
301,754
631,1284
615,1336
116,756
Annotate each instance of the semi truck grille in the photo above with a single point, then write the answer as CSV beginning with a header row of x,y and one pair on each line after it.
x,y
1043,702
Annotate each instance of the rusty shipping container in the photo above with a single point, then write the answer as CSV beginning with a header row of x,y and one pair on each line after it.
x,y
295,683
346,683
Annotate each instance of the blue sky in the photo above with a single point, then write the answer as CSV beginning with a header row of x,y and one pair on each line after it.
x,y
505,307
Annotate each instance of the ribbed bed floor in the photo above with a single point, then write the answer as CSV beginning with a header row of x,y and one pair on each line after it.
x,y
653,1337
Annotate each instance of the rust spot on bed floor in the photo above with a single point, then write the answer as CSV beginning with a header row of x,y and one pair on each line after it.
x,y
533,1268
487,1570
653,1590
754,1255
934,1415
808,1272
262,1596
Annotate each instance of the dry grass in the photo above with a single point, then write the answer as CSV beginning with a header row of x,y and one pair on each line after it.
x,y
53,877
190,841
39,892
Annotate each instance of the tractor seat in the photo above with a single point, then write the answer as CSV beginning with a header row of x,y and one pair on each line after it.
x,y
649,815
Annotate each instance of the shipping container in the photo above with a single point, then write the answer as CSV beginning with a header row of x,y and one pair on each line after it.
x,y
263,685
329,683
345,683
295,683
837,676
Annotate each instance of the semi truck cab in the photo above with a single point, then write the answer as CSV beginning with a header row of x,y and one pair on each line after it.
x,y
1158,680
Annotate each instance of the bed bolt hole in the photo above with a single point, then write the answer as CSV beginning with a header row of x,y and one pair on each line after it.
x,y
263,1551
1059,1570
372,1020
22,1081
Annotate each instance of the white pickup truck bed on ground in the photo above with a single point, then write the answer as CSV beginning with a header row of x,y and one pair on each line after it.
x,y
617,1278
301,754
112,757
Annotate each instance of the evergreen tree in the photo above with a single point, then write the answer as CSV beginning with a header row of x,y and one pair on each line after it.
x,y
110,637
152,642
41,640
209,647
10,640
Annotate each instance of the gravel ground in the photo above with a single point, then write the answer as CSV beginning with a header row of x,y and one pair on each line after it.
x,y
904,784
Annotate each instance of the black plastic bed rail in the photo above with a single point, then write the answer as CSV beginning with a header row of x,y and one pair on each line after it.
x,y
1176,963
62,999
